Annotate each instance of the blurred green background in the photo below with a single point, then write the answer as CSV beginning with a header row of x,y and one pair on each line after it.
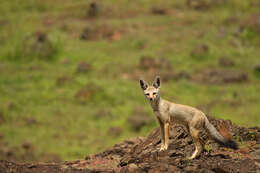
x,y
70,70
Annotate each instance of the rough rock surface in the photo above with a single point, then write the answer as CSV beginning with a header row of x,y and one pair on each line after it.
x,y
141,154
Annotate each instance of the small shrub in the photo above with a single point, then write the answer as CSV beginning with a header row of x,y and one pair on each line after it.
x,y
34,47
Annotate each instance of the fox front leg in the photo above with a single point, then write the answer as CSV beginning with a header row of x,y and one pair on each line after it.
x,y
162,134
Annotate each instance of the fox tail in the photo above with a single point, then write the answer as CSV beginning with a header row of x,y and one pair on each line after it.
x,y
218,137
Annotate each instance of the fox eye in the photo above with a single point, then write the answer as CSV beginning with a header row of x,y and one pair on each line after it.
x,y
154,93
147,94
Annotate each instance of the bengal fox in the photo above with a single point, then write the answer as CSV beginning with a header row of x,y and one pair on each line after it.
x,y
193,119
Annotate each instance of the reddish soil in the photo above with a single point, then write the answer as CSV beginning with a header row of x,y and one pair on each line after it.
x,y
142,155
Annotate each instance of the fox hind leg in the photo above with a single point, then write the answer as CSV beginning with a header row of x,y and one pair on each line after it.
x,y
195,136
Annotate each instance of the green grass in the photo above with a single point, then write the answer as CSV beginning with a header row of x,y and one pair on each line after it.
x,y
73,128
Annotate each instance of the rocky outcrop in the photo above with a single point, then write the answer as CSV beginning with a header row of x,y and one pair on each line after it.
x,y
142,154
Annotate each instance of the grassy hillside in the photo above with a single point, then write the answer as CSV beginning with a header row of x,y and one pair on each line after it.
x,y
69,70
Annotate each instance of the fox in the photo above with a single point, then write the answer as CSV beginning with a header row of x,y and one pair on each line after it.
x,y
192,118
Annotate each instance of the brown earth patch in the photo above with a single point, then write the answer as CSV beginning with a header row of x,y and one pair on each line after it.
x,y
101,32
149,67
159,11
226,62
203,4
254,22
87,93
83,67
60,81
200,51
220,76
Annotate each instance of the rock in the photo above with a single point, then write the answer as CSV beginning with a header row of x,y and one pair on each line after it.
x,y
147,62
159,11
88,92
62,80
83,67
89,33
30,121
115,131
100,32
220,76
132,167
93,10
200,51
198,4
65,61
254,22
1,118
27,145
143,155
225,62
156,66
257,70
182,75
150,63
11,105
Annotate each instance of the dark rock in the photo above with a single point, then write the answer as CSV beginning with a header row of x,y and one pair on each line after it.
x,y
88,33
159,11
41,36
257,70
27,145
93,10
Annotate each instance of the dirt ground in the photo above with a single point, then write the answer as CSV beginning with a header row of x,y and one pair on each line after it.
x,y
141,154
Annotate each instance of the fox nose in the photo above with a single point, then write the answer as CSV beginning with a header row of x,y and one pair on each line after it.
x,y
151,99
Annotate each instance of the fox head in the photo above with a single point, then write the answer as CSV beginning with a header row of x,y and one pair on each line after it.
x,y
151,92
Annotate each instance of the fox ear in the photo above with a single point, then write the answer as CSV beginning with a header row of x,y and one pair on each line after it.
x,y
143,84
157,82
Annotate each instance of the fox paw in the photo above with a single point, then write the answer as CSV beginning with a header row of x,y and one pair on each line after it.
x,y
163,148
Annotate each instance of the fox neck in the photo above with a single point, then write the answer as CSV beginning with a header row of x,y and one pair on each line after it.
x,y
155,104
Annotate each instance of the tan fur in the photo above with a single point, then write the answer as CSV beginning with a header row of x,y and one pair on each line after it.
x,y
192,118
